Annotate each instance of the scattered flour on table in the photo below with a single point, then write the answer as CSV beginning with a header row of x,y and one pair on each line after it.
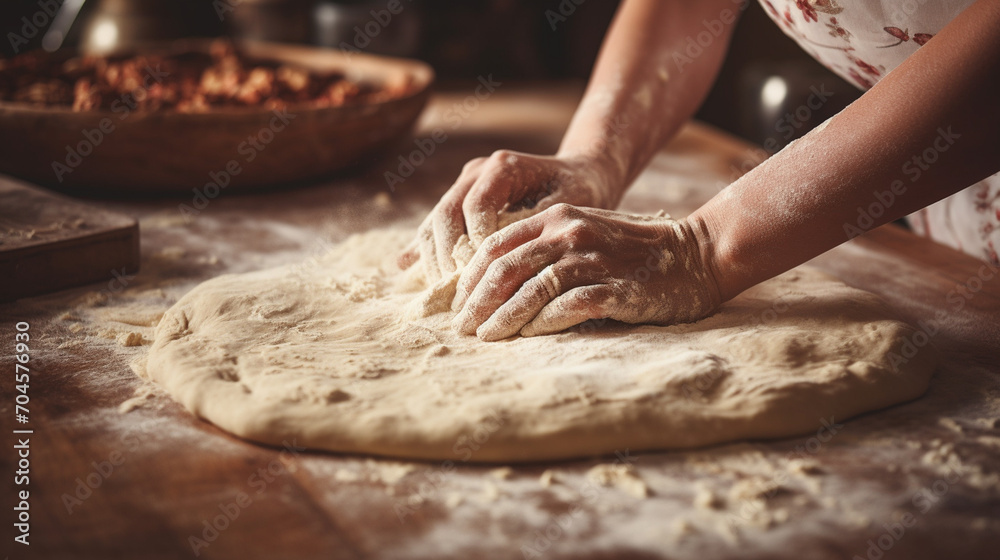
x,y
620,476
142,395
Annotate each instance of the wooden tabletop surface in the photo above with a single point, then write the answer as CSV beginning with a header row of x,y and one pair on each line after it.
x,y
118,470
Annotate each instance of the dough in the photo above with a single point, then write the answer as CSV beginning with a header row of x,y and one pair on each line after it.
x,y
347,353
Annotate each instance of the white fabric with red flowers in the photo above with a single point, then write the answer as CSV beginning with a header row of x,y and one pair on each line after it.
x,y
862,40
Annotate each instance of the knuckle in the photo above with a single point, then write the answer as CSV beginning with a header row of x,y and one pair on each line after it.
x,y
447,204
500,268
570,267
576,235
473,203
450,209
577,227
504,156
550,283
472,165
589,302
561,210
491,245
616,293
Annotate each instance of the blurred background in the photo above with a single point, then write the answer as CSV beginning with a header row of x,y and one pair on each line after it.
x,y
766,76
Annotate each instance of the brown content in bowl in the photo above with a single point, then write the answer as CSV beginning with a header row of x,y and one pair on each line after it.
x,y
187,82
168,117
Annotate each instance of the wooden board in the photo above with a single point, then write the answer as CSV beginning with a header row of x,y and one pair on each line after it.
x,y
50,242
145,483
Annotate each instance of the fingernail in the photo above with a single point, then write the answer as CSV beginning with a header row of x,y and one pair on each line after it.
x,y
490,331
487,334
529,330
483,332
461,323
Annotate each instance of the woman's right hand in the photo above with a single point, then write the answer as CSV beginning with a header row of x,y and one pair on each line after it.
x,y
506,185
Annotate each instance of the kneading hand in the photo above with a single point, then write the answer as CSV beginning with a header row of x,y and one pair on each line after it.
x,y
509,183
567,265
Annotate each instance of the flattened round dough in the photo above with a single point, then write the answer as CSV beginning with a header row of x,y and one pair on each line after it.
x,y
335,354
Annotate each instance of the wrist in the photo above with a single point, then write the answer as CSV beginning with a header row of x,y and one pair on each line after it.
x,y
603,175
712,258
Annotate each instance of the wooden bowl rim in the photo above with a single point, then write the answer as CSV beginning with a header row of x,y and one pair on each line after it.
x,y
422,73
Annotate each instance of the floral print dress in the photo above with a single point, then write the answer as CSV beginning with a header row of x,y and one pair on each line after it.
x,y
863,40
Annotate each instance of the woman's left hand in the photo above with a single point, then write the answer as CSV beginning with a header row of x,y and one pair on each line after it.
x,y
567,265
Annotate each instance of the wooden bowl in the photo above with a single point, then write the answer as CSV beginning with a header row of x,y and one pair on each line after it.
x,y
172,151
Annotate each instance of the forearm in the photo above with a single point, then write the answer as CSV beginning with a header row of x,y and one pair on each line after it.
x,y
927,130
647,82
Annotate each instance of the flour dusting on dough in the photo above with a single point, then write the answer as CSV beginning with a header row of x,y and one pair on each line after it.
x,y
351,354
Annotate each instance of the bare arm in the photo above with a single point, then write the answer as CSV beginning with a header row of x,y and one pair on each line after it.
x,y
652,74
927,130
566,265
647,82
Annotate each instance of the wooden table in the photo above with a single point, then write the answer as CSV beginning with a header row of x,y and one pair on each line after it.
x,y
147,483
